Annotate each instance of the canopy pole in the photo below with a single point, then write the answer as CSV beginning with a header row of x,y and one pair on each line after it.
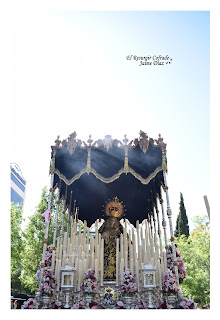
x,y
46,229
159,230
164,224
169,214
62,223
56,219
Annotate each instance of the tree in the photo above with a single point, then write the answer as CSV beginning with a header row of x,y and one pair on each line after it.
x,y
17,246
34,238
182,226
195,251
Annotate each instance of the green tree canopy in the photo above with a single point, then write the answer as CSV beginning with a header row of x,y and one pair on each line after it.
x,y
195,251
182,226
17,245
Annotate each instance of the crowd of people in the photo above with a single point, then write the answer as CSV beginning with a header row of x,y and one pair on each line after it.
x,y
14,304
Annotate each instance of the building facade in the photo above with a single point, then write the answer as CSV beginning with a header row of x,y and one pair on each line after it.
x,y
18,185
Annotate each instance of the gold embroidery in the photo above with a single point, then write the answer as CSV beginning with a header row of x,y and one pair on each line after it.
x,y
144,181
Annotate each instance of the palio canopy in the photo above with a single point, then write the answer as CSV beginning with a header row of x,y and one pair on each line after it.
x,y
94,172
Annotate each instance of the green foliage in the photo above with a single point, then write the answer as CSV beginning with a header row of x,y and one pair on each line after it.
x,y
17,245
182,226
195,251
34,240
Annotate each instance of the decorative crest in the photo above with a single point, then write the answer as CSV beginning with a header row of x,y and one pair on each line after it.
x,y
143,142
160,143
71,143
107,142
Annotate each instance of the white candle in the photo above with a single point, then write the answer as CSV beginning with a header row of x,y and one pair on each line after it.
x,y
122,266
96,269
132,266
64,241
92,264
137,273
58,247
134,244
117,253
102,260
79,275
159,274
165,260
126,260
53,259
121,247
58,275
64,259
138,241
77,270
57,261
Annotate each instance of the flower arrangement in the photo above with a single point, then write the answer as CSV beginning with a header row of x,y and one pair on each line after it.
x,y
169,285
80,305
89,284
55,305
128,285
163,305
48,284
29,304
181,268
140,305
120,305
48,262
186,304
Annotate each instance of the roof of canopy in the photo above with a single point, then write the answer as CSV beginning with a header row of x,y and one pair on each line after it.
x,y
94,172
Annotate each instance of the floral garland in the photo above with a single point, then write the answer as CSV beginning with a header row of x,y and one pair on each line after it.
x,y
120,305
48,285
48,263
140,305
169,285
55,305
80,305
29,304
128,285
186,304
89,284
181,268
163,305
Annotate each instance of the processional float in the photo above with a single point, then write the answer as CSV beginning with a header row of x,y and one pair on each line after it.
x,y
117,190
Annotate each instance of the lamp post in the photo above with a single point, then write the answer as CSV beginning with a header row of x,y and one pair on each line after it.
x,y
148,281
67,276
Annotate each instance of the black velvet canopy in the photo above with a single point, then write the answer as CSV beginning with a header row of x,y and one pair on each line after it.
x,y
94,172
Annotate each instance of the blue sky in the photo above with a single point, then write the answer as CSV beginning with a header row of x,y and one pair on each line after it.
x,y
70,73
